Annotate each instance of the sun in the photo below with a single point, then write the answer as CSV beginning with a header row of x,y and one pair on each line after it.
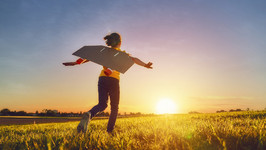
x,y
166,106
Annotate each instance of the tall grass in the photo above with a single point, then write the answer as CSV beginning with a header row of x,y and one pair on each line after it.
x,y
242,130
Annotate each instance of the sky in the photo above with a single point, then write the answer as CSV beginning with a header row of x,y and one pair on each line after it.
x,y
207,55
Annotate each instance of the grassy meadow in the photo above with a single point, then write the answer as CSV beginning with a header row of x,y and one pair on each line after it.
x,y
238,130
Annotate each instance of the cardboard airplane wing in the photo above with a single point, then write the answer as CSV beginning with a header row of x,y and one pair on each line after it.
x,y
105,56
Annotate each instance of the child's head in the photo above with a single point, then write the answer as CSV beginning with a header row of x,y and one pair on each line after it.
x,y
113,39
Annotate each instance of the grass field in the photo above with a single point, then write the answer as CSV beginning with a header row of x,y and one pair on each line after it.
x,y
239,130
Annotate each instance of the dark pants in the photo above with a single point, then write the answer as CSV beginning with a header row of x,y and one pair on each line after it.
x,y
108,86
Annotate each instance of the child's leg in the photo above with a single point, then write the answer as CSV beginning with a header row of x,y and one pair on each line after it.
x,y
114,98
103,98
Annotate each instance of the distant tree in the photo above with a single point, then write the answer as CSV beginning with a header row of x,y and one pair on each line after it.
x,y
193,112
36,112
5,112
49,112
13,113
21,113
219,111
247,109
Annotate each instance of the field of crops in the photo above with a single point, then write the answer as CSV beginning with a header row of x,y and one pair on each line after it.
x,y
239,130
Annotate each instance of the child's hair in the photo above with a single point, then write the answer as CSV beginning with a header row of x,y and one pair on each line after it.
x,y
113,39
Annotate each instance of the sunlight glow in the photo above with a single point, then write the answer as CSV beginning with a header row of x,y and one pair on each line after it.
x,y
166,106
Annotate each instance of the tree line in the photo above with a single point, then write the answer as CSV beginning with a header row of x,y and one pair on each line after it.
x,y
44,112
56,113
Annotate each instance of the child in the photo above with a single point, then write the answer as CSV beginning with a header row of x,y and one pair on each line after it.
x,y
108,86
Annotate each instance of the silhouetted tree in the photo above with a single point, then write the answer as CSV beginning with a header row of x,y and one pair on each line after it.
x,y
49,112
21,113
219,111
5,112
193,112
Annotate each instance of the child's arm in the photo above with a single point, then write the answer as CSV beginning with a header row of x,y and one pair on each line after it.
x,y
77,62
141,63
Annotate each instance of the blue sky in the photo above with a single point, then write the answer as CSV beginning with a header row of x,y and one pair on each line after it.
x,y
204,51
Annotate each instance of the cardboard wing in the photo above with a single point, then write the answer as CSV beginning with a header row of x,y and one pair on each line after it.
x,y
105,56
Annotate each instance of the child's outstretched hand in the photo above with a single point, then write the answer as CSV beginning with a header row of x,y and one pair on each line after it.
x,y
148,65
77,62
70,63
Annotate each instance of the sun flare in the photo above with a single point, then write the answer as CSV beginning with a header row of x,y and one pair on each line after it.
x,y
166,106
